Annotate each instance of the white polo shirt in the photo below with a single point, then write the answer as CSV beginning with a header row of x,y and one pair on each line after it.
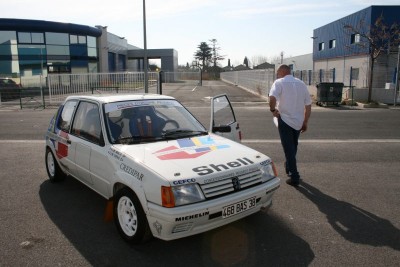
x,y
292,96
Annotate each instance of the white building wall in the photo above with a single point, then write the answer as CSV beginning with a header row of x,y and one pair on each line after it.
x,y
343,68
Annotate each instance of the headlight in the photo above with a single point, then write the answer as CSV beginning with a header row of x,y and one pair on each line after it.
x,y
268,171
181,195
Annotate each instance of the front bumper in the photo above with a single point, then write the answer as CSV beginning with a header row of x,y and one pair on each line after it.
x,y
173,223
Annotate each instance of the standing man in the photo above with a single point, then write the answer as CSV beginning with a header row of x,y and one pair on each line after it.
x,y
290,102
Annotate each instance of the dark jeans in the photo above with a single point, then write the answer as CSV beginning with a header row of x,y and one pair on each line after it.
x,y
289,141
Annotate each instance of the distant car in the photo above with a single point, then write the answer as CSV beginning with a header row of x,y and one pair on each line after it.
x,y
9,89
164,173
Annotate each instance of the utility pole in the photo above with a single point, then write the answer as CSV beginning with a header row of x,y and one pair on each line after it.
x,y
396,85
146,78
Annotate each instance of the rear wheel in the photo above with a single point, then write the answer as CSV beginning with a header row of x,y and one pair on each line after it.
x,y
130,218
53,169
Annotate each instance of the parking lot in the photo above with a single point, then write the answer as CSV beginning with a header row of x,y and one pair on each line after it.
x,y
346,213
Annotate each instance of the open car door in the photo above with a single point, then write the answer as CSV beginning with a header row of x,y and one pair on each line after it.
x,y
223,120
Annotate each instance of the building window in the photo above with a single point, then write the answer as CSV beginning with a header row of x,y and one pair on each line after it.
x,y
30,38
355,38
332,43
355,72
77,39
57,38
321,46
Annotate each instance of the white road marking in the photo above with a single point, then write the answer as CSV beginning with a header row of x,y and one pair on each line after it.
x,y
324,141
252,141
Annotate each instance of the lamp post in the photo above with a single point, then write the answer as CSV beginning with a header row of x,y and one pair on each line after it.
x,y
146,80
396,85
195,65
41,76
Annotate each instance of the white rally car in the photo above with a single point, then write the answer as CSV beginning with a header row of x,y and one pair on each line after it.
x,y
164,173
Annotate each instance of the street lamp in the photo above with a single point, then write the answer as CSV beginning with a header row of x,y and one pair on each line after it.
x,y
196,65
396,86
146,80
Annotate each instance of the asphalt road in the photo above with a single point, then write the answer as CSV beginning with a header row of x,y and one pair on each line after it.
x,y
346,213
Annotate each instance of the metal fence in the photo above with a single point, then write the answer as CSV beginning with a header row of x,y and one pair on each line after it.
x,y
62,85
42,92
355,82
259,81
193,77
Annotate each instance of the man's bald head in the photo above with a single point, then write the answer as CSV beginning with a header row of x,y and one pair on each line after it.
x,y
282,71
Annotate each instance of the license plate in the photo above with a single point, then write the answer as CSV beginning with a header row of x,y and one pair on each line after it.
x,y
239,207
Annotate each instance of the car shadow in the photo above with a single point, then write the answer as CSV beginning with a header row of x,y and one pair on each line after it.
x,y
258,240
353,223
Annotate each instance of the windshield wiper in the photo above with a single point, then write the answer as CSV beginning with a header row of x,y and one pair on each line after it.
x,y
136,139
178,133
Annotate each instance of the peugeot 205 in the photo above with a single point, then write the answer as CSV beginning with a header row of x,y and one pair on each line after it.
x,y
162,172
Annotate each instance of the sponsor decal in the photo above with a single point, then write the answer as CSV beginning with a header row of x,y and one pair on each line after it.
x,y
131,171
189,148
190,217
59,141
158,227
204,170
62,147
116,154
138,103
185,181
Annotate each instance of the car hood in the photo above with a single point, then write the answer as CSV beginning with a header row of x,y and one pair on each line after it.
x,y
192,158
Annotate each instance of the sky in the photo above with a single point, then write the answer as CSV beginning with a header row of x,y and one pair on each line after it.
x,y
256,29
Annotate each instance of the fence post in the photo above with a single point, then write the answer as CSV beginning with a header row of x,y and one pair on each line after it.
x,y
41,92
160,81
396,86
320,75
201,77
351,86
20,98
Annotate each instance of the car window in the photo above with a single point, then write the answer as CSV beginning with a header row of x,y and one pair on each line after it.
x,y
87,123
149,120
64,122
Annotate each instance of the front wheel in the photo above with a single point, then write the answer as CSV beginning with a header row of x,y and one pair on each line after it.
x,y
130,218
53,169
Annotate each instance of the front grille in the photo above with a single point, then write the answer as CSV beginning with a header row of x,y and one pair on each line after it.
x,y
231,184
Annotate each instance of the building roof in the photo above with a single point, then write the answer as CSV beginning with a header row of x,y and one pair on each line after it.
x,y
265,65
7,24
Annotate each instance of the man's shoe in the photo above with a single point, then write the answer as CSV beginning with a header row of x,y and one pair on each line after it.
x,y
292,183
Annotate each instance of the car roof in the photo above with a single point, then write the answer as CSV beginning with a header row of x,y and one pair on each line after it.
x,y
6,79
119,97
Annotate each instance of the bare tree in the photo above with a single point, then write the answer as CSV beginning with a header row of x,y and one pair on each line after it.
x,y
377,38
215,52
258,60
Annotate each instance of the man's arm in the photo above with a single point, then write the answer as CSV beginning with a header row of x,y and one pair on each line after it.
x,y
272,105
307,114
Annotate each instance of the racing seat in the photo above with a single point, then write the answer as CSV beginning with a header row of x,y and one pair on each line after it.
x,y
115,129
146,122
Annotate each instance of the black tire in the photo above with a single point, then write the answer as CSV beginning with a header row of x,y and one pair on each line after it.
x,y
53,169
130,218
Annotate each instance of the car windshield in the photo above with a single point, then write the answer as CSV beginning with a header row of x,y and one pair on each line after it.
x,y
132,122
